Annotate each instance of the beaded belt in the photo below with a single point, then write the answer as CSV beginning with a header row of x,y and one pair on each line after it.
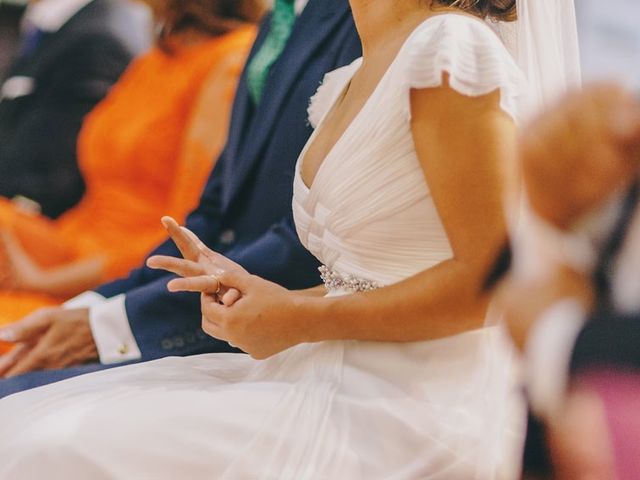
x,y
336,281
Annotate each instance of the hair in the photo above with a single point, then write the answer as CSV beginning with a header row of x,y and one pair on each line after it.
x,y
212,17
500,10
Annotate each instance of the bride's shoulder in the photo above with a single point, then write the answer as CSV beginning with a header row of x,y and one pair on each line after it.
x,y
469,51
453,30
328,91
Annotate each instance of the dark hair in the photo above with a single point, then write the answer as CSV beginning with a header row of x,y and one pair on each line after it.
x,y
503,10
214,17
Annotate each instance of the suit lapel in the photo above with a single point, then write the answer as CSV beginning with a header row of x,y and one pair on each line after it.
x,y
313,27
242,106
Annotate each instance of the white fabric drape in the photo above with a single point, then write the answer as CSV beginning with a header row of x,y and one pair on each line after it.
x,y
544,43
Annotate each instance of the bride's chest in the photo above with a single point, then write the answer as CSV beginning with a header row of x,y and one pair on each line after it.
x,y
342,120
370,173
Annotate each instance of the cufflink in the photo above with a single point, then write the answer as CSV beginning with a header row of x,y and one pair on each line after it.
x,y
123,349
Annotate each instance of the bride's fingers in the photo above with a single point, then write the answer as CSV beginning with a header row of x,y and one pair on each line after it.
x,y
185,244
213,330
210,315
206,251
202,284
230,297
194,238
179,266
216,258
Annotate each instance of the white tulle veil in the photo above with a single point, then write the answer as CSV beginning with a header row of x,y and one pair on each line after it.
x,y
544,42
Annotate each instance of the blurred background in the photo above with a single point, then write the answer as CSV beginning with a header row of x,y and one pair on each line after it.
x,y
593,16
10,13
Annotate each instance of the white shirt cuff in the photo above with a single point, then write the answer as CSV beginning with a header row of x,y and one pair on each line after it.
x,y
548,355
112,332
84,300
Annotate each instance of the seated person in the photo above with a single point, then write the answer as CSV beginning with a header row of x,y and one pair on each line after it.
x,y
71,53
245,213
580,317
146,149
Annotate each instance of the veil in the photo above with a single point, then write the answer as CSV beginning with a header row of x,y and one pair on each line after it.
x,y
544,43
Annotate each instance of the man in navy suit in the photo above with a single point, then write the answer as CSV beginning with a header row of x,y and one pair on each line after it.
x,y
244,213
71,54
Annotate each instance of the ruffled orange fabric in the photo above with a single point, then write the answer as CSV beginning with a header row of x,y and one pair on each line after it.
x,y
145,151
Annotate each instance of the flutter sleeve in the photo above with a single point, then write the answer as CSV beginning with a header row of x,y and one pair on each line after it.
x,y
473,56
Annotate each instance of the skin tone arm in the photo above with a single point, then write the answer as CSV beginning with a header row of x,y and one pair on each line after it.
x,y
468,189
64,281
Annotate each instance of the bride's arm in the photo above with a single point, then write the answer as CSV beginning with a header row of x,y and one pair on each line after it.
x,y
467,148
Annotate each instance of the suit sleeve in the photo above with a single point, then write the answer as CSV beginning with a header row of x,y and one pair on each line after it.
x,y
45,138
609,341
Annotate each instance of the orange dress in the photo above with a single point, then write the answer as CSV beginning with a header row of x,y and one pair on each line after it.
x,y
144,152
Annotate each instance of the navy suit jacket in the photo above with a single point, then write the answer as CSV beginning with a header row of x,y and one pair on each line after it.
x,y
245,211
71,71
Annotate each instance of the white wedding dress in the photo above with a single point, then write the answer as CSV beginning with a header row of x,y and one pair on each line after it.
x,y
446,409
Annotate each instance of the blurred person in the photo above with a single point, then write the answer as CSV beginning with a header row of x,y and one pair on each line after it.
x,y
389,370
245,212
71,53
10,16
578,320
144,150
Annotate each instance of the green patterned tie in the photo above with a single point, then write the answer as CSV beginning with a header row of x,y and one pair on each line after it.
x,y
282,20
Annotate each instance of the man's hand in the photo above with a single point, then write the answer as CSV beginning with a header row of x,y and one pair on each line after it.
x,y
48,339
523,302
576,155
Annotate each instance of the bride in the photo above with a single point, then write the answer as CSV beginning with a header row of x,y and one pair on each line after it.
x,y
392,369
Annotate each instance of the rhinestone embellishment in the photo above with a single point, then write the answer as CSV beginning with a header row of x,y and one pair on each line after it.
x,y
336,281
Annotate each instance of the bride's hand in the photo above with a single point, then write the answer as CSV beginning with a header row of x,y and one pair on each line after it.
x,y
250,313
263,322
199,262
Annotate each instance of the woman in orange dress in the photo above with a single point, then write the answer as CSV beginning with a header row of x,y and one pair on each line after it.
x,y
144,151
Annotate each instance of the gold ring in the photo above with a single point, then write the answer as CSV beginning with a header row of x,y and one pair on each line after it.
x,y
218,283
